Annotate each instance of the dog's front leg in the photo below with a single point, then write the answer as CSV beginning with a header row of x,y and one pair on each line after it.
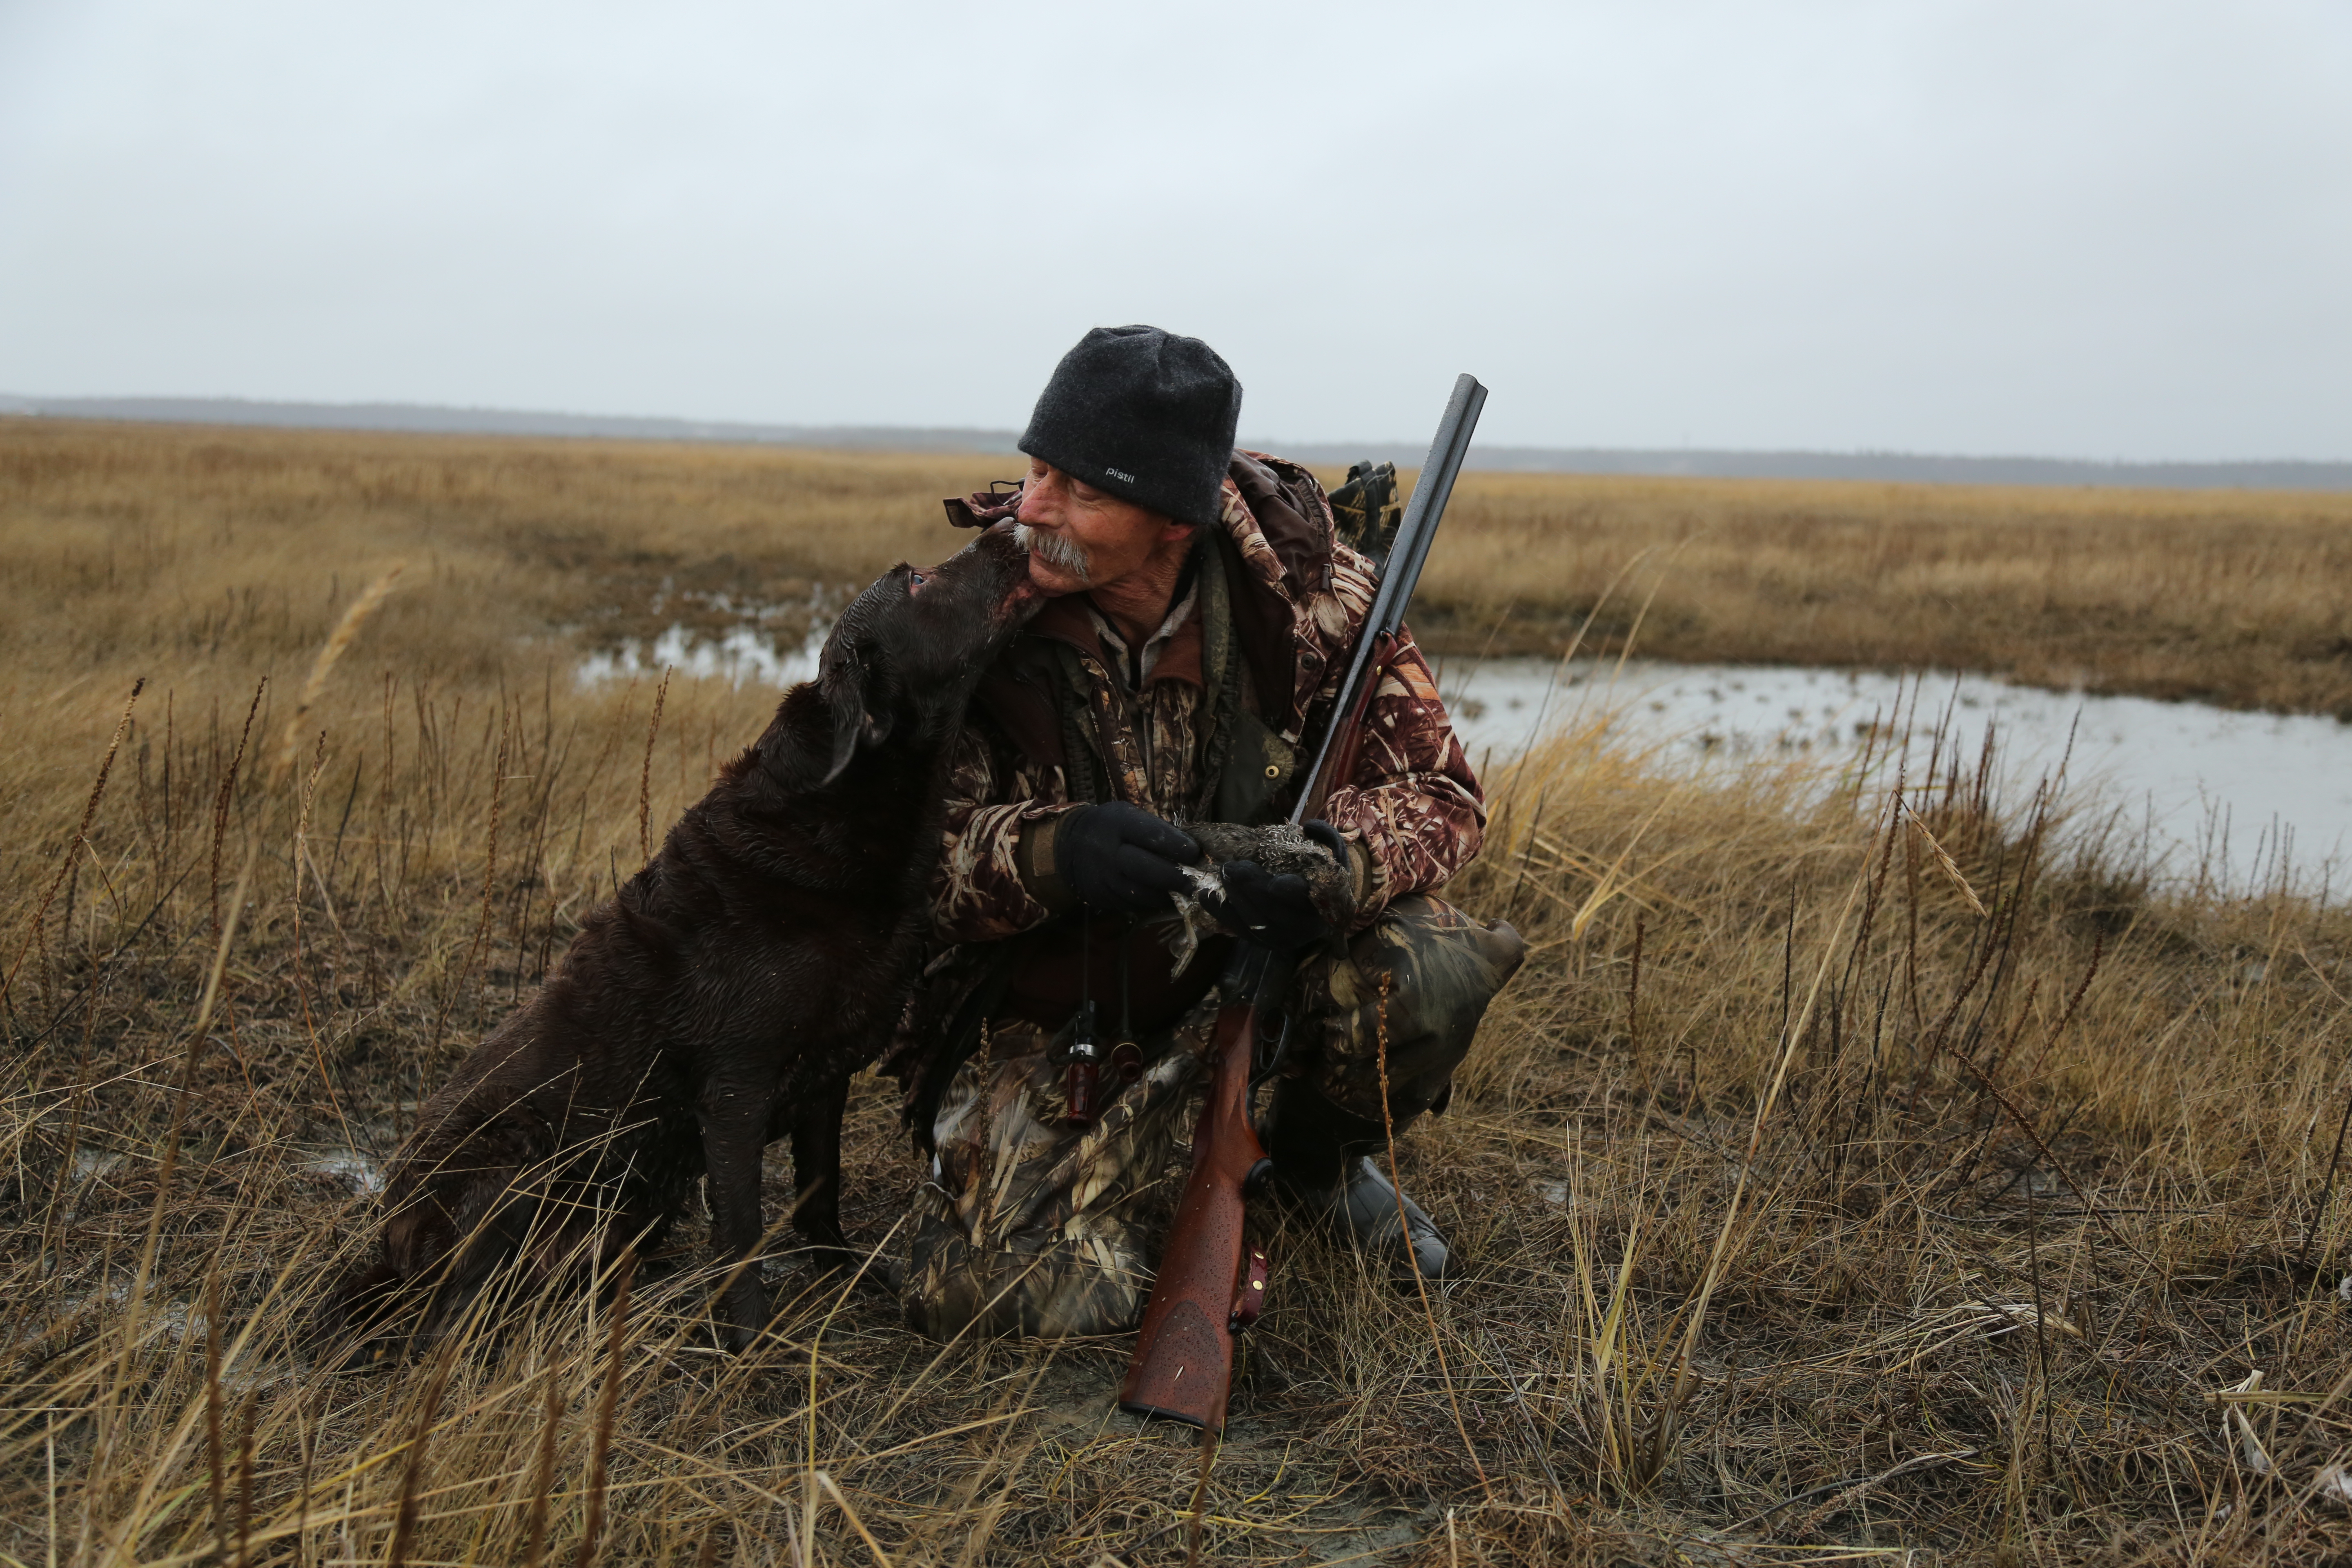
x,y
734,1124
816,1173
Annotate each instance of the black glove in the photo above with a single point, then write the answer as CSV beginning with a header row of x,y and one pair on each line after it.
x,y
1273,912
1117,856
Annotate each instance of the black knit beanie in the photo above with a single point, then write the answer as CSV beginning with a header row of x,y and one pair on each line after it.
x,y
1143,413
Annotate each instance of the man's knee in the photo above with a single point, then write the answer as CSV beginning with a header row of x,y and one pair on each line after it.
x,y
1404,1005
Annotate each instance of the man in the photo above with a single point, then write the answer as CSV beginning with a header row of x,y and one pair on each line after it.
x,y
1203,611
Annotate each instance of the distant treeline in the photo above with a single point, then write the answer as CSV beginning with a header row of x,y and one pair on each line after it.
x,y
1908,468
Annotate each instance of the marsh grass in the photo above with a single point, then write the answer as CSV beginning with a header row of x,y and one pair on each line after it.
x,y
1806,1211
2236,597
2243,598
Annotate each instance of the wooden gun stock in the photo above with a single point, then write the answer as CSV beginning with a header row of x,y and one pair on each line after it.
x,y
1183,1364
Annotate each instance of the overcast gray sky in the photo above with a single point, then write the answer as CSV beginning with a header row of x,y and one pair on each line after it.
x,y
2110,230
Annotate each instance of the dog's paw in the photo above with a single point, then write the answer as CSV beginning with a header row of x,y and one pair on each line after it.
x,y
742,1315
873,1274
882,1277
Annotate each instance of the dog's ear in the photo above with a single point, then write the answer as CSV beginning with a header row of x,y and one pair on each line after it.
x,y
852,730
843,681
845,746
848,723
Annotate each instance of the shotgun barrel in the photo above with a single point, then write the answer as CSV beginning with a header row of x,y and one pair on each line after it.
x,y
1399,574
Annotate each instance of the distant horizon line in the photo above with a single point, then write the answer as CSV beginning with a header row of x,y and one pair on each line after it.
x,y
1686,462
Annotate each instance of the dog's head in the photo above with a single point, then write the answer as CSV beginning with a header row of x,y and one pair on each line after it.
x,y
905,655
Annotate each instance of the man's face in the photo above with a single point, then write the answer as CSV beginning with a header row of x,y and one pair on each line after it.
x,y
1079,537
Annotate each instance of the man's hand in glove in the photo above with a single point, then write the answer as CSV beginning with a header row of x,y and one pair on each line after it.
x,y
1276,911
1119,857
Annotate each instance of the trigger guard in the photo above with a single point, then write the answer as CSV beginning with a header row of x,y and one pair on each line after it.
x,y
1249,1292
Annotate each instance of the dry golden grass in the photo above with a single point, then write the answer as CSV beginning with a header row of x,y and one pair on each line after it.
x,y
1805,1212
266,533
2243,598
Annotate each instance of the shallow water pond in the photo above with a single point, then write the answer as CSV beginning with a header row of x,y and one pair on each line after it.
x,y
2226,792
2222,793
744,653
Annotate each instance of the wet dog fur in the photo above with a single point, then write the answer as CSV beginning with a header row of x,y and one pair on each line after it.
x,y
721,1000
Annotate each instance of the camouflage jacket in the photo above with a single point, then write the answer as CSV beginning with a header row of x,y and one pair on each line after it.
x,y
1237,688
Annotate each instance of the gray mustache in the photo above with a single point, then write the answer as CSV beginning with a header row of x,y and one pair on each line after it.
x,y
1055,550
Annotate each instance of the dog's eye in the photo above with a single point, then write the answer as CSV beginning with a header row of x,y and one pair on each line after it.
x,y
915,581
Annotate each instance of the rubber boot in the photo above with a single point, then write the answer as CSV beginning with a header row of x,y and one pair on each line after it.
x,y
1324,1164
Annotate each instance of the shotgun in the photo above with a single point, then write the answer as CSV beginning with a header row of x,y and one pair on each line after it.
x,y
1206,1291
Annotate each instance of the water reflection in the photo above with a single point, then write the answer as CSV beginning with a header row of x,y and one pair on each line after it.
x,y
2227,792
738,655
2209,786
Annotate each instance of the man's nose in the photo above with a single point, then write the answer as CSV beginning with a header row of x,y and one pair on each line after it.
x,y
1041,501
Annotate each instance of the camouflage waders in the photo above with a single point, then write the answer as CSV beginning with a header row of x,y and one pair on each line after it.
x,y
1027,1226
